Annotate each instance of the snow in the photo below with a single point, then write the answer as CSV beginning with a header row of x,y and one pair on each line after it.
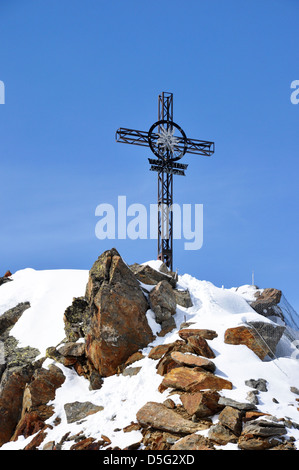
x,y
41,326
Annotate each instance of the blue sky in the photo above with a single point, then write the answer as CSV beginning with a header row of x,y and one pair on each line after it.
x,y
75,71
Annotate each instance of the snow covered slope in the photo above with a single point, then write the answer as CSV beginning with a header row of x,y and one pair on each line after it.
x,y
41,326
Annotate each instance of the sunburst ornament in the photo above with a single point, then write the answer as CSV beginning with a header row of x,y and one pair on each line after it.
x,y
167,140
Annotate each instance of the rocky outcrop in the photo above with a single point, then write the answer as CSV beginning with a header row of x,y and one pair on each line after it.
x,y
118,325
267,302
262,338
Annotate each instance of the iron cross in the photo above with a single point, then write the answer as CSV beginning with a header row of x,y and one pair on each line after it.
x,y
169,143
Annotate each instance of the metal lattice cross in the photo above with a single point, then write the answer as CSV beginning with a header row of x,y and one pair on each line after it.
x,y
169,144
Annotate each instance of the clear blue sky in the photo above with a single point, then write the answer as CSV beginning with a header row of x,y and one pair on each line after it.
x,y
76,70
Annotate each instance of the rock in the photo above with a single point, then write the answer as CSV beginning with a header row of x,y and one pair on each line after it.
x,y
221,435
150,276
28,425
191,380
185,333
158,351
259,384
264,428
167,326
118,324
158,416
254,443
11,316
88,443
72,349
266,303
201,404
252,415
183,298
252,397
262,338
200,346
12,384
236,404
294,390
192,361
4,279
42,387
18,357
130,371
193,442
162,301
231,418
76,318
77,411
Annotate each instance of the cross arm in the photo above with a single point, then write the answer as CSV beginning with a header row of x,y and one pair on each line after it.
x,y
131,136
200,147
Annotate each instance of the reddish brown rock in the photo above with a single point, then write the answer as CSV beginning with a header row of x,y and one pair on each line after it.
x,y
245,335
192,361
191,380
201,404
118,326
231,418
200,346
12,388
193,442
206,334
158,416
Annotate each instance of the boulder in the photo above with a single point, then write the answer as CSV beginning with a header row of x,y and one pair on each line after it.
x,y
221,435
13,384
262,338
266,303
192,361
201,404
183,298
150,276
193,442
192,380
231,418
158,416
200,346
11,316
185,333
76,318
162,301
77,411
117,308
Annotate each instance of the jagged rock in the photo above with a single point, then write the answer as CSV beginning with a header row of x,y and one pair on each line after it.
x,y
162,301
4,279
150,276
231,418
201,404
259,384
266,303
12,384
200,346
236,404
76,318
11,316
262,338
17,357
192,380
118,324
183,298
42,387
167,326
252,397
158,416
193,442
221,435
185,333
79,410
264,428
192,361
72,349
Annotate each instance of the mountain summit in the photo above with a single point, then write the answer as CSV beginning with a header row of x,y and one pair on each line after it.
x,y
135,357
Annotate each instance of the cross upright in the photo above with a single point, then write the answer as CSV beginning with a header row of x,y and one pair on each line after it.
x,y
169,144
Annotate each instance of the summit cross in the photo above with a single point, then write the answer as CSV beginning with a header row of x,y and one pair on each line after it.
x,y
169,143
